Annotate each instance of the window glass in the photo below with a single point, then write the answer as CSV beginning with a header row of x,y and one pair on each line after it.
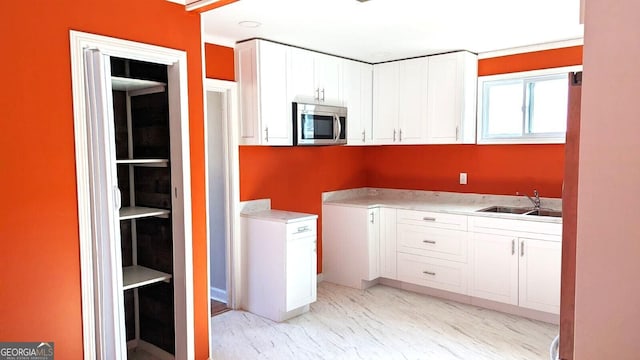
x,y
504,109
548,106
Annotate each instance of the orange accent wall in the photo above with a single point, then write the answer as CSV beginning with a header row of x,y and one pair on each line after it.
x,y
40,291
219,62
294,178
491,169
535,60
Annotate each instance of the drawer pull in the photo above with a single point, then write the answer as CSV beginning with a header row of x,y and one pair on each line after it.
x,y
426,218
429,242
302,229
429,273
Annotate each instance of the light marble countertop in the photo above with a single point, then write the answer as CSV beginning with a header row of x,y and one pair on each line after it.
x,y
444,202
279,215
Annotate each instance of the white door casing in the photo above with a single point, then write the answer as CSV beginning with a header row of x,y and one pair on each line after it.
x,y
100,290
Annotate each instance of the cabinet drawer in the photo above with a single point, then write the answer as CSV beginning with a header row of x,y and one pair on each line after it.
x,y
433,219
435,273
301,229
433,242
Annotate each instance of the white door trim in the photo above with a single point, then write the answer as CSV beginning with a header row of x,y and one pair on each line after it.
x,y
232,188
179,124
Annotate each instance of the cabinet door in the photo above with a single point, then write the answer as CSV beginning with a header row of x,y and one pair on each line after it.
x,y
357,97
373,248
495,268
445,91
328,78
540,274
345,260
385,102
246,62
301,272
275,107
412,108
388,263
300,76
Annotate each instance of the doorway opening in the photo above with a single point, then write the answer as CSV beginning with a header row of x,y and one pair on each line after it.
x,y
221,159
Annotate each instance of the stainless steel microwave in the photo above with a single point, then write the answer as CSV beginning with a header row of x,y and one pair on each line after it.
x,y
319,124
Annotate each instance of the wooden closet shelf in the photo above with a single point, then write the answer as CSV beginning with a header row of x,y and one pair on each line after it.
x,y
136,276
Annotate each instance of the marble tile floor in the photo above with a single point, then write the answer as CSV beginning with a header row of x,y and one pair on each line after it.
x,y
382,323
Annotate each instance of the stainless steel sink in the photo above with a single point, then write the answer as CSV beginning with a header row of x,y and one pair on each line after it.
x,y
506,210
543,212
521,211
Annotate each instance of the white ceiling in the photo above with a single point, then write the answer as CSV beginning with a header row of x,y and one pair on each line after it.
x,y
381,30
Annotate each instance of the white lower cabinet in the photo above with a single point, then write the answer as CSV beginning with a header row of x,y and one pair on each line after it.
x,y
540,268
495,267
514,262
432,250
358,244
518,268
280,263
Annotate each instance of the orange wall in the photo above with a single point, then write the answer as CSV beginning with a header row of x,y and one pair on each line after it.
x,y
40,294
491,169
531,61
219,62
294,178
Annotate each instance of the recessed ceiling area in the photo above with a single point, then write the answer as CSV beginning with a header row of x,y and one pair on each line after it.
x,y
382,30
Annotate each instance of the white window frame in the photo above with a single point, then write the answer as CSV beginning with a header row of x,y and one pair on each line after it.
x,y
527,139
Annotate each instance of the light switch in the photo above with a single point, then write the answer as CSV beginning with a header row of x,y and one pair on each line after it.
x,y
463,178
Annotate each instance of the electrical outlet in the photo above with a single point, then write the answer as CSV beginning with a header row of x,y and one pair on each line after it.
x,y
463,178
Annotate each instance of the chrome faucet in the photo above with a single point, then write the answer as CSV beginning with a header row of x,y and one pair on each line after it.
x,y
535,200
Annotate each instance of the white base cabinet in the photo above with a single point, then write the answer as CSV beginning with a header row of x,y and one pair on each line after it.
x,y
515,262
281,263
514,265
495,268
358,245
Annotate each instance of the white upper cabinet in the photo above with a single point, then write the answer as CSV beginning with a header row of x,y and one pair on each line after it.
x,y
301,77
400,102
314,77
386,78
427,100
412,103
357,86
451,98
328,78
265,108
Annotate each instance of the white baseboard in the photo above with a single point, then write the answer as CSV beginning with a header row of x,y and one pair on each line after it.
x,y
219,295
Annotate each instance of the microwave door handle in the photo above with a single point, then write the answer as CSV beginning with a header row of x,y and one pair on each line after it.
x,y
339,128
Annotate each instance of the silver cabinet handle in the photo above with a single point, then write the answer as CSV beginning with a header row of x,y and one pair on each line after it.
x,y
513,246
317,94
322,94
429,273
363,135
394,135
522,248
372,220
303,229
426,218
429,242
266,134
457,130
400,136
